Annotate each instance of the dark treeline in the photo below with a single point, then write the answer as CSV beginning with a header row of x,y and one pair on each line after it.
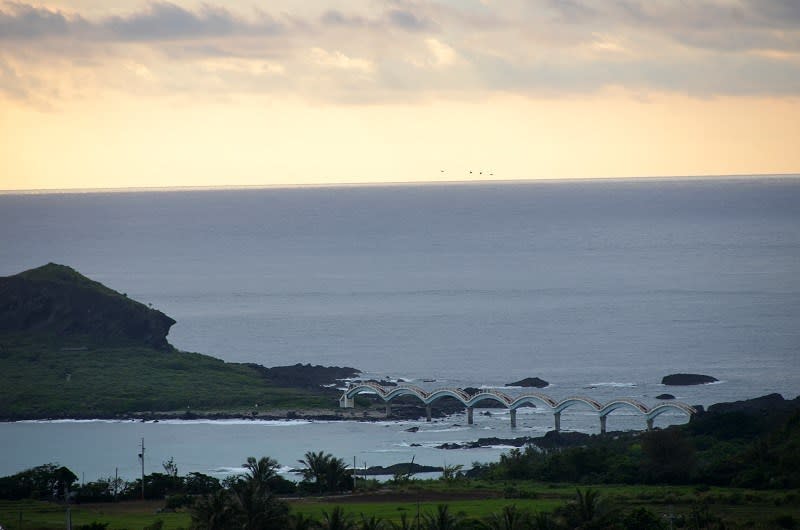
x,y
321,472
750,449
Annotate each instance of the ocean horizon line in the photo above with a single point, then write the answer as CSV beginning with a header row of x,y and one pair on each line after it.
x,y
388,184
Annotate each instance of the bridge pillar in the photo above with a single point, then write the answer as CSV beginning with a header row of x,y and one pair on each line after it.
x,y
388,409
649,424
557,416
603,424
427,413
513,418
347,403
469,415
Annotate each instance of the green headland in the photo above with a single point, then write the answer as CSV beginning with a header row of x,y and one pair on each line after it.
x,y
71,347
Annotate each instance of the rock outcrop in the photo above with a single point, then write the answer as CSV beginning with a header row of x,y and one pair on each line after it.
x,y
760,405
58,303
408,467
687,379
305,375
530,382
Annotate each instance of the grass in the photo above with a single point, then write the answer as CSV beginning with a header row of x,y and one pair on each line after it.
x,y
739,508
41,381
391,511
38,515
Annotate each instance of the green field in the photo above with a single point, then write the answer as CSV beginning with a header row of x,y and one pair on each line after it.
x,y
40,381
739,508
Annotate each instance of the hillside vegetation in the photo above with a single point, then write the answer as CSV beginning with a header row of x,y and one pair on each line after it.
x,y
71,347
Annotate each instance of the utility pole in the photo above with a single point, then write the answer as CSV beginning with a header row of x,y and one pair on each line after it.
x,y
141,457
116,481
69,513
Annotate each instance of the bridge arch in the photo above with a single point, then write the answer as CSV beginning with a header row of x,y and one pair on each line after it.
x,y
577,400
406,391
458,394
499,397
365,388
616,404
533,399
660,409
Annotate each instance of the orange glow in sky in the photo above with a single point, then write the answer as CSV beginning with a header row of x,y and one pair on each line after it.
x,y
130,94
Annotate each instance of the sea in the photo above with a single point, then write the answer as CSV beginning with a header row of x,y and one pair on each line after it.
x,y
600,287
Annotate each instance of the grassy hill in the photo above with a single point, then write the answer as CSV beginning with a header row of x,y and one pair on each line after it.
x,y
71,347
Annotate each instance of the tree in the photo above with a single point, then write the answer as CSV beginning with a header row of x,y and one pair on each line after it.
x,y
325,472
404,524
510,518
44,482
371,523
252,498
452,472
337,519
246,503
170,467
442,519
669,456
587,511
200,484
298,521
214,512
261,471
258,509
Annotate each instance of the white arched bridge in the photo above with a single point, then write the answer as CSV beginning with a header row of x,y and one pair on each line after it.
x,y
428,397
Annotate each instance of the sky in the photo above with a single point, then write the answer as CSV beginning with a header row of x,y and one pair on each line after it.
x,y
129,93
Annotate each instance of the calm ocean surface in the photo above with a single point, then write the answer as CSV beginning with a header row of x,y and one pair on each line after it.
x,y
600,287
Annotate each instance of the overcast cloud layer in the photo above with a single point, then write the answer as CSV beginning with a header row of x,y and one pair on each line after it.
x,y
372,51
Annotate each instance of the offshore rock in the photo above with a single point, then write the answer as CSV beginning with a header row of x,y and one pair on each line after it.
x,y
408,467
665,397
687,379
530,382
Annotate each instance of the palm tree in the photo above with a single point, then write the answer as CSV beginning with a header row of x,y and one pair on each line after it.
x,y
587,511
261,471
252,499
586,504
442,519
371,523
509,519
404,524
246,504
327,472
337,520
298,521
258,508
543,521
214,512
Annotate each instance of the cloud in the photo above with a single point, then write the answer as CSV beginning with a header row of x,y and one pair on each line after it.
x,y
23,22
334,17
401,50
407,20
157,21
163,21
340,61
